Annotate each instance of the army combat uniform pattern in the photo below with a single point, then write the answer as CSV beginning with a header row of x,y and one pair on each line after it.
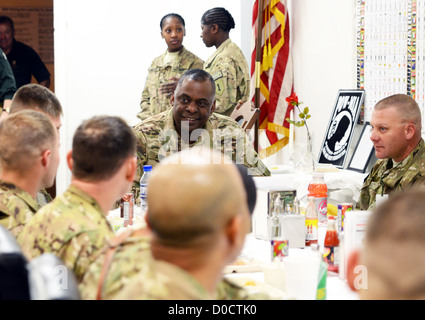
x,y
229,69
130,254
386,178
160,280
17,207
73,227
132,262
161,69
157,139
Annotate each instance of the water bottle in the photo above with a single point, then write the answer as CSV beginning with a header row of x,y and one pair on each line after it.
x,y
147,169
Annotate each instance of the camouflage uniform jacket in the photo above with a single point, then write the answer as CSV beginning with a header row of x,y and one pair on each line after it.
x,y
157,138
17,207
160,280
132,260
153,102
130,255
72,226
386,179
230,71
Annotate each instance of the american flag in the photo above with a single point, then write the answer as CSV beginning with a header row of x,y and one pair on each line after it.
x,y
275,72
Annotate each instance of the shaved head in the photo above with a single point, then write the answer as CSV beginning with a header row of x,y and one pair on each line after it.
x,y
193,200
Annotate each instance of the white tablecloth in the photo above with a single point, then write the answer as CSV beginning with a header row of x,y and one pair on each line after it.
x,y
343,185
260,253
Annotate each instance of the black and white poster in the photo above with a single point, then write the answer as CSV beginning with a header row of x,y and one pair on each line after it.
x,y
343,120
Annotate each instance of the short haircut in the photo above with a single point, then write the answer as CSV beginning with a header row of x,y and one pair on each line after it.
x,y
100,146
220,17
9,21
200,193
36,97
24,136
197,75
172,15
395,243
406,106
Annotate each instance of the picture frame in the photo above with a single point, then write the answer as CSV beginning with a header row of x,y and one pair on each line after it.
x,y
339,133
363,151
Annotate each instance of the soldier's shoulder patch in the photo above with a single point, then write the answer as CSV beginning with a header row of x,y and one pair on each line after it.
x,y
217,75
219,86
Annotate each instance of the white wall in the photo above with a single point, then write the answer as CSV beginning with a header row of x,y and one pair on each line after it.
x,y
323,44
104,47
324,53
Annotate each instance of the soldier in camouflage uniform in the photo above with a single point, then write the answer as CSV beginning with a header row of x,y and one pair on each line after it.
x,y
190,220
396,136
166,69
128,254
227,65
29,157
37,97
74,226
192,122
131,255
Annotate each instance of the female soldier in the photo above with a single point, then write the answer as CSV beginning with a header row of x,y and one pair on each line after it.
x,y
166,69
227,65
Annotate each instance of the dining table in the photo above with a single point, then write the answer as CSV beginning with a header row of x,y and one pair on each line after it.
x,y
252,268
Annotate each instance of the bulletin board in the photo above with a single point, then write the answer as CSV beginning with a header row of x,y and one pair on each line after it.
x,y
390,50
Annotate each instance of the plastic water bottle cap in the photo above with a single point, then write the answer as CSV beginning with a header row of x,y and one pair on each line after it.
x,y
147,168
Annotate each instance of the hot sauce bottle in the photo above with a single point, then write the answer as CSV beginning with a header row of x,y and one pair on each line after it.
x,y
331,246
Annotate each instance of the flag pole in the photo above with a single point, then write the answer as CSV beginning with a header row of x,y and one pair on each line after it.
x,y
258,67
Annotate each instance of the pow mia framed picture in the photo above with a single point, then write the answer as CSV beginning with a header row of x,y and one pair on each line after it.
x,y
341,126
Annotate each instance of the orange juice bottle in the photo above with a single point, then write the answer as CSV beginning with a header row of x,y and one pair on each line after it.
x,y
319,190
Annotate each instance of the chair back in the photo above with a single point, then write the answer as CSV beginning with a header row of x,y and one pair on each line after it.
x,y
246,114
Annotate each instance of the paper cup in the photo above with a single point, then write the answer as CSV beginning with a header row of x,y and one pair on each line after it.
x,y
302,274
274,275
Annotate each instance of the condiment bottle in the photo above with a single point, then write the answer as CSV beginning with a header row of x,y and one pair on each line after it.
x,y
319,190
331,246
311,222
274,221
293,225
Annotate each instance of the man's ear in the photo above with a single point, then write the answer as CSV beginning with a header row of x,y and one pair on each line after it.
x,y
352,261
410,131
233,229
69,160
45,157
213,106
131,169
147,220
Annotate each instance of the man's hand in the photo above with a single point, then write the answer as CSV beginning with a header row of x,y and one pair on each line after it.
x,y
168,88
